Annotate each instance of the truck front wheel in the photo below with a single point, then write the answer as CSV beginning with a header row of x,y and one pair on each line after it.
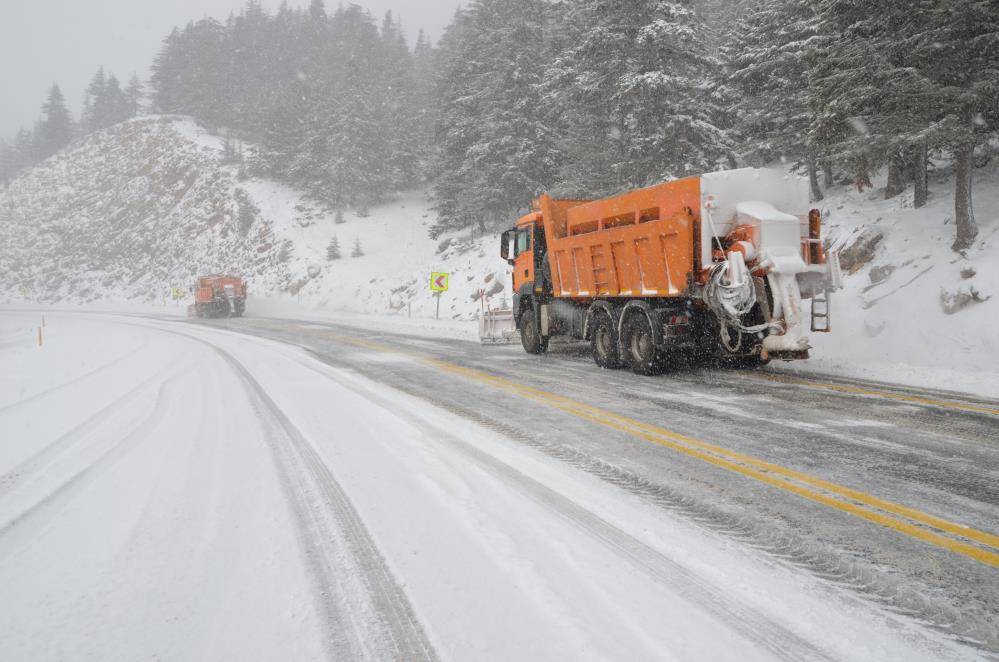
x,y
530,335
640,344
603,342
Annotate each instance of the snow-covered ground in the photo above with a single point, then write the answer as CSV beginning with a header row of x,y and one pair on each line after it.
x,y
185,493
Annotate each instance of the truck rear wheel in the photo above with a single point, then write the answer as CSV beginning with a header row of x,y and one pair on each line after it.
x,y
640,345
530,335
603,342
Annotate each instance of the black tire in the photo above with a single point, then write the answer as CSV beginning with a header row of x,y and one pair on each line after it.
x,y
603,342
530,335
640,346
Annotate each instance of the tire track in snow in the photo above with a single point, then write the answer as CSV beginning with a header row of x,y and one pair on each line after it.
x,y
14,531
333,536
74,380
769,635
69,439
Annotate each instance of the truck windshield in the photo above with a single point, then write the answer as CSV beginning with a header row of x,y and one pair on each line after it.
x,y
523,241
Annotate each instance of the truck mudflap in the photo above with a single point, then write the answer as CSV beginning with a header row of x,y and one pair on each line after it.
x,y
497,326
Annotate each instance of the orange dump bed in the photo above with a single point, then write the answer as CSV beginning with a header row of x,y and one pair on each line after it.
x,y
208,286
636,244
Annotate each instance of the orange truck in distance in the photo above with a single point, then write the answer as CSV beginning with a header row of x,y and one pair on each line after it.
x,y
713,265
218,296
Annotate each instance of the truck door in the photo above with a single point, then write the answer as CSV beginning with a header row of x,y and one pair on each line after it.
x,y
523,257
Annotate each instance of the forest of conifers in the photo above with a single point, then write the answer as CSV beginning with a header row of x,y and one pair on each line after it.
x,y
578,97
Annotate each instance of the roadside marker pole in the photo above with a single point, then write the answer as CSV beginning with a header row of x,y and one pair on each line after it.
x,y
437,315
39,336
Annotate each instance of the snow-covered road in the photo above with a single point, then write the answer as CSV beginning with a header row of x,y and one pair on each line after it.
x,y
179,492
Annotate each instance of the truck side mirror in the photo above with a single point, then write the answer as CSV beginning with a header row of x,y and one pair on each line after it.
x,y
505,246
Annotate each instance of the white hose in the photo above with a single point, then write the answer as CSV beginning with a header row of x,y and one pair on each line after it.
x,y
730,302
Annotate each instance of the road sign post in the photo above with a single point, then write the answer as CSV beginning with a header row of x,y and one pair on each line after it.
x,y
438,285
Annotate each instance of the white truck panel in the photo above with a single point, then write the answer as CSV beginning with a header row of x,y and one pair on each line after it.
x,y
721,193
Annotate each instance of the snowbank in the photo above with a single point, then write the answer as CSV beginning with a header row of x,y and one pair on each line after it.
x,y
916,312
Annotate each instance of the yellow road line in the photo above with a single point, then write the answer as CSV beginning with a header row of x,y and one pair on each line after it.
x,y
851,501
857,390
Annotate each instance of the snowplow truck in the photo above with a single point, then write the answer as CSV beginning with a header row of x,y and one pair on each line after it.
x,y
714,265
219,296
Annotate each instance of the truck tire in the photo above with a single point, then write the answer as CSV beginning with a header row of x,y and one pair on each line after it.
x,y
640,346
603,342
530,335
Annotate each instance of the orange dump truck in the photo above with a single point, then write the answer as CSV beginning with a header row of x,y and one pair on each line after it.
x,y
714,265
218,296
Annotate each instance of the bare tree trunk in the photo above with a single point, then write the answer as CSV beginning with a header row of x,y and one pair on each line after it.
x,y
862,178
813,177
967,229
827,174
896,184
919,164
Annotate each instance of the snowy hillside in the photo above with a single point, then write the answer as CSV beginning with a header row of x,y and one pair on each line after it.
x,y
913,310
128,213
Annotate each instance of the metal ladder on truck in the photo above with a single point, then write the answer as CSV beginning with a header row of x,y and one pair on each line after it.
x,y
820,312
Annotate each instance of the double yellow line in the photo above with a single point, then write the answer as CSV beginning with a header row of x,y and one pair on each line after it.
x,y
972,543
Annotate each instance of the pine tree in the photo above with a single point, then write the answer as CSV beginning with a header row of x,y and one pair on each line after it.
x,y
166,80
55,130
357,251
333,249
338,218
93,100
6,162
929,70
246,212
25,150
134,95
497,152
770,55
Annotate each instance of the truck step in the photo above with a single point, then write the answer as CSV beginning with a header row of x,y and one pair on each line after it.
x,y
820,313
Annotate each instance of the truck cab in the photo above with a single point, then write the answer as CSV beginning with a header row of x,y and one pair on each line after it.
x,y
523,247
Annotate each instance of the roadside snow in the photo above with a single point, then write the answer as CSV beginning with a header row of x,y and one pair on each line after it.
x,y
890,323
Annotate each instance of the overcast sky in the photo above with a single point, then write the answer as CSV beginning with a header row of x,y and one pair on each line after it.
x,y
64,41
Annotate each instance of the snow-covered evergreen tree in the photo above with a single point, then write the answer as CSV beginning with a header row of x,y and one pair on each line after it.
x,y
357,250
927,73
55,130
497,150
769,55
333,249
633,89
